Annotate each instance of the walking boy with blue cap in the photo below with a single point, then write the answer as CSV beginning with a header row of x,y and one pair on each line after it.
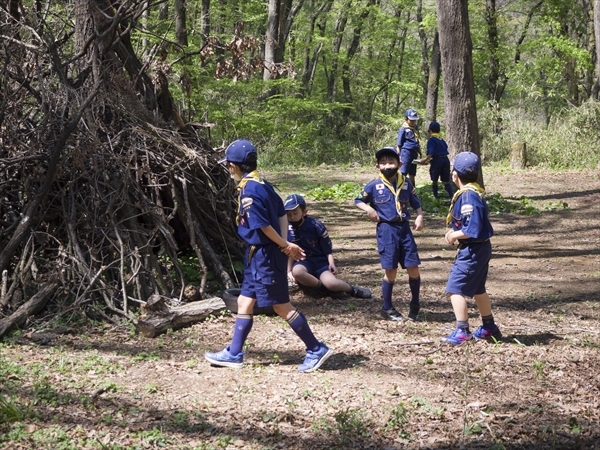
x,y
262,223
408,145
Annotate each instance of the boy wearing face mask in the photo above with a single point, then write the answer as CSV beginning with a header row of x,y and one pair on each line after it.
x,y
386,200
262,224
318,269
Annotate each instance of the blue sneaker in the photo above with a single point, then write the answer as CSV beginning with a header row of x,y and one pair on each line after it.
x,y
483,334
225,359
458,336
315,359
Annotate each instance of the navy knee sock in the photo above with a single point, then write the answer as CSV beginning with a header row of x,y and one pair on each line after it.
x,y
415,289
386,291
243,325
300,326
488,322
434,188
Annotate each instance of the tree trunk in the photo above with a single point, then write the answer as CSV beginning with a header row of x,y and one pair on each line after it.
x,y
180,22
272,41
462,129
424,48
433,82
205,20
494,60
340,27
310,62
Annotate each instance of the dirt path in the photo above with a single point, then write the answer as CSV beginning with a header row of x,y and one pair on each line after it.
x,y
388,386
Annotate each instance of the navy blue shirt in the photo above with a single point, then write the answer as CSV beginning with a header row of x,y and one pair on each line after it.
x,y
436,147
408,138
259,206
377,195
312,237
470,214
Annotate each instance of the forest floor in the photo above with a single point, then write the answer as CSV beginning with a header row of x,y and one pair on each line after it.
x,y
388,385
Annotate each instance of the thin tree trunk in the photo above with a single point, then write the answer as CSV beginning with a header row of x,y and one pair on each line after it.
x,y
205,20
597,43
180,22
272,40
340,27
433,82
424,49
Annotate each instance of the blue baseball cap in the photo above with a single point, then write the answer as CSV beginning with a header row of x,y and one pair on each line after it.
x,y
411,114
465,160
434,127
387,150
293,201
239,152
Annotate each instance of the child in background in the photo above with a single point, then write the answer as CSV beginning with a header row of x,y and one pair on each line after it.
x,y
385,200
409,147
437,156
472,229
318,269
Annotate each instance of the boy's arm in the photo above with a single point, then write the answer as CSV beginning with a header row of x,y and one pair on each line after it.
x,y
371,213
419,223
452,236
331,262
290,249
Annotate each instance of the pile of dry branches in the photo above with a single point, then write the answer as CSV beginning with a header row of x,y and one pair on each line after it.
x,y
99,194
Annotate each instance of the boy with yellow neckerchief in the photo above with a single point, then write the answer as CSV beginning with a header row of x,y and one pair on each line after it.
x,y
262,224
409,148
385,200
471,228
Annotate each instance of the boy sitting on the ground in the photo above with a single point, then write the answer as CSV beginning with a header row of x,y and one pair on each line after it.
x,y
318,269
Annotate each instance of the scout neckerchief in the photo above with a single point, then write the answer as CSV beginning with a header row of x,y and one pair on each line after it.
x,y
395,190
435,135
468,187
406,125
252,176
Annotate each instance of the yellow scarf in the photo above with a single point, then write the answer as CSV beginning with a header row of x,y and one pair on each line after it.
x,y
468,187
395,190
417,137
437,135
252,176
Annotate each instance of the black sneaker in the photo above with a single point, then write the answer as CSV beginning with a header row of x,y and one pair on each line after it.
x,y
391,314
413,314
360,292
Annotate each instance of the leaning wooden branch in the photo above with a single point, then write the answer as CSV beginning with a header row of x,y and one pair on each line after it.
x,y
161,318
29,308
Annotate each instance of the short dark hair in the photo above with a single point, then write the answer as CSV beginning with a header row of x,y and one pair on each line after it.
x,y
469,175
249,165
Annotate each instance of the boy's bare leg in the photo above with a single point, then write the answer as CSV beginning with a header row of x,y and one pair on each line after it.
x,y
302,276
484,304
331,282
459,305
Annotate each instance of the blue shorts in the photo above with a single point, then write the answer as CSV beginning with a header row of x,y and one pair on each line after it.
x,y
470,269
265,275
396,244
406,159
440,169
315,265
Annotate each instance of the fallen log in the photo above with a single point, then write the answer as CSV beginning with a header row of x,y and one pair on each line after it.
x,y
162,318
30,308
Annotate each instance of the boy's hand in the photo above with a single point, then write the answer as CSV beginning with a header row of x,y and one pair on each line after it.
x,y
291,279
449,239
294,251
333,269
372,214
419,224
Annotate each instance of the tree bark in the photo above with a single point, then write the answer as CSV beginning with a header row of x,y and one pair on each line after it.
x,y
433,82
205,19
424,49
597,43
340,27
462,129
180,22
272,40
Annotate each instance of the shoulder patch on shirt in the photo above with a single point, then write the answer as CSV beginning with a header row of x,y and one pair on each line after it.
x,y
466,209
246,202
404,186
379,186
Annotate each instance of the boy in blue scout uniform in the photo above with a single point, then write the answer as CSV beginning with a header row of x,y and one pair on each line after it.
x,y
262,223
472,229
318,269
409,147
437,157
385,200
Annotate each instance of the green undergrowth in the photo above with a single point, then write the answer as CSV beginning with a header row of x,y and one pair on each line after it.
x,y
498,204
